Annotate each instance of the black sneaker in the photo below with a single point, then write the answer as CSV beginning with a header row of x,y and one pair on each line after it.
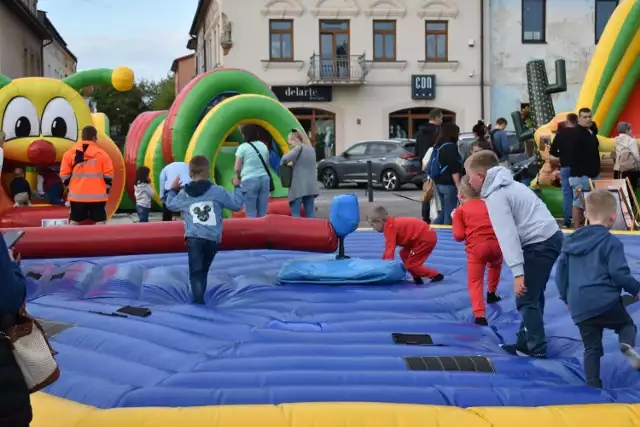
x,y
631,355
481,321
437,278
515,350
418,280
492,297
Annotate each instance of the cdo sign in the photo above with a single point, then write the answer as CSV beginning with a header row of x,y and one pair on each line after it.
x,y
423,86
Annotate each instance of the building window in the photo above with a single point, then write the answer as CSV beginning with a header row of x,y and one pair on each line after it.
x,y
604,10
384,40
437,34
281,40
534,17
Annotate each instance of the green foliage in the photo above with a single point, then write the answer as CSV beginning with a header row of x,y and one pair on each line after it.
x,y
123,107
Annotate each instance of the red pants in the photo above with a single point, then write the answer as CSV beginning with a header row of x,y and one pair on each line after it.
x,y
414,258
478,257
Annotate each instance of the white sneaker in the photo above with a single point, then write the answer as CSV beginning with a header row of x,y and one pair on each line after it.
x,y
631,355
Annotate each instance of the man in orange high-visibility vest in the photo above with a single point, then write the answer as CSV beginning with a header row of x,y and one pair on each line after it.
x,y
87,170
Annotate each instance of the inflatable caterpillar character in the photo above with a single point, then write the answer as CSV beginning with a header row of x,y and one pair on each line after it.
x,y
42,118
204,120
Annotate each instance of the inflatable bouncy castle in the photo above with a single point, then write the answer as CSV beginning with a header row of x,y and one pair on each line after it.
x,y
204,120
611,89
42,118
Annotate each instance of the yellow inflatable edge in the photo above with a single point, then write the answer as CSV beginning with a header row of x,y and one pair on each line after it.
x,y
611,93
601,55
50,411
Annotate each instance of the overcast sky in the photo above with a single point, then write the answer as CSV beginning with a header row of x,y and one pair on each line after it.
x,y
145,35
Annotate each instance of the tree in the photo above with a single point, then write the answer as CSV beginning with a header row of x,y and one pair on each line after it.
x,y
120,107
165,94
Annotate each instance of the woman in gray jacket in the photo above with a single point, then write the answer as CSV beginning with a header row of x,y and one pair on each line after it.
x,y
304,183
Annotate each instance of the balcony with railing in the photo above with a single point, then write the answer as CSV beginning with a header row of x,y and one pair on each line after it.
x,y
339,70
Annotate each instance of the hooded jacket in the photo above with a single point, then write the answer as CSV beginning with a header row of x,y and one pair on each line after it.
x,y
202,203
592,271
518,216
626,143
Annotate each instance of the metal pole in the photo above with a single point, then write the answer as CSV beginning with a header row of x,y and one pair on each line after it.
x,y
370,180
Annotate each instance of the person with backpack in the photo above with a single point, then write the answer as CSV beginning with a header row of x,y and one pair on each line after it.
x,y
425,140
445,169
627,155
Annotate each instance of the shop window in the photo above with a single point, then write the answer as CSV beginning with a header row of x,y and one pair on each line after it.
x,y
437,43
405,123
281,40
384,40
320,126
534,16
604,10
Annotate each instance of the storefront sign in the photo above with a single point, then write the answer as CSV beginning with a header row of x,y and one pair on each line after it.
x,y
423,86
303,93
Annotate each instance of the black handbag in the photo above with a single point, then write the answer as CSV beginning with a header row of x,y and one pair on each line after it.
x,y
264,165
286,171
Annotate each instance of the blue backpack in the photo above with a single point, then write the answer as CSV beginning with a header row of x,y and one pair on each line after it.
x,y
434,170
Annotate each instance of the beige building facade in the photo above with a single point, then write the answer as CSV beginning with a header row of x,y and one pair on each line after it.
x,y
184,70
353,70
22,37
59,61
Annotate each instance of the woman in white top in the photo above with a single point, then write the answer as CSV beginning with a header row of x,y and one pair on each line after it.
x,y
252,157
627,163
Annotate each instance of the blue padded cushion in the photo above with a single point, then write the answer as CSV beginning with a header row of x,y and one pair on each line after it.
x,y
341,272
345,214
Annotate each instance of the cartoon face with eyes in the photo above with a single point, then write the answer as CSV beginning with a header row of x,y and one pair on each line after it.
x,y
42,118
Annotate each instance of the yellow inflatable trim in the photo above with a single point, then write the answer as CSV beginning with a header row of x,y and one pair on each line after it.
x,y
611,93
601,55
51,411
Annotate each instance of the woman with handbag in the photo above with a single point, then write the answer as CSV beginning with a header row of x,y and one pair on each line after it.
x,y
252,170
15,405
627,156
301,176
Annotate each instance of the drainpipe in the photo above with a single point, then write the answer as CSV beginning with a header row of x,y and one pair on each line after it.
x,y
482,59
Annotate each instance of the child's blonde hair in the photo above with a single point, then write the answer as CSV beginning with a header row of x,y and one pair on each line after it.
x,y
482,161
467,191
378,212
600,205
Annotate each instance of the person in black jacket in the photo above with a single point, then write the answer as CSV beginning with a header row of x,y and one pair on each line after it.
x,y
15,405
449,180
562,148
585,162
425,139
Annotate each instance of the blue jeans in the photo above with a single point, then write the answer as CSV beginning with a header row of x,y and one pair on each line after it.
x,y
448,200
54,195
201,253
567,194
256,196
539,259
309,206
143,213
582,183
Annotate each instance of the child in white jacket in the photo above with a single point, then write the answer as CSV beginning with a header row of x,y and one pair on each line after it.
x,y
144,193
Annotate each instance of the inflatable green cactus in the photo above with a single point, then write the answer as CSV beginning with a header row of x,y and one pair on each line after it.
x,y
540,90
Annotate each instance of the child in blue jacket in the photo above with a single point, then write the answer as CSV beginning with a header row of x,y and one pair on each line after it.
x,y
202,203
591,273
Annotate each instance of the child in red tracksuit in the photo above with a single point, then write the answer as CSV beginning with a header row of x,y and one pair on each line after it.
x,y
415,237
471,223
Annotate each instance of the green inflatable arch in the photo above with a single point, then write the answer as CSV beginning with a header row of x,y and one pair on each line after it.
x,y
221,121
183,121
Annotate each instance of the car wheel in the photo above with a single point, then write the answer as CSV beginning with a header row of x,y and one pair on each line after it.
x,y
390,180
329,179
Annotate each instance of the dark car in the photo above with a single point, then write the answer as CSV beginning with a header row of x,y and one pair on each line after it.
x,y
466,140
393,161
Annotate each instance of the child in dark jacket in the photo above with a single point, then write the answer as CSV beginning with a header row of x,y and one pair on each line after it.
x,y
202,203
471,224
591,273
416,238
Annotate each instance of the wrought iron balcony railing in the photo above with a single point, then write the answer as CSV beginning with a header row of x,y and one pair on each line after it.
x,y
340,69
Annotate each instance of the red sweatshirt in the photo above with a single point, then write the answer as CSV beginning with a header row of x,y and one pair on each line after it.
x,y
406,232
471,223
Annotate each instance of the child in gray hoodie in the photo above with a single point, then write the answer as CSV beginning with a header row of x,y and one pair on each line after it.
x,y
530,240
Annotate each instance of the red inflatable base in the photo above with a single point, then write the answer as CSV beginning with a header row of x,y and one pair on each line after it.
x,y
275,207
271,232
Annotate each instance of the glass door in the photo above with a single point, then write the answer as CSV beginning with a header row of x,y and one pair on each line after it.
x,y
334,49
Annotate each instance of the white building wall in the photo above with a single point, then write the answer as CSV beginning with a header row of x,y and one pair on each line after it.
x,y
54,61
20,49
362,112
